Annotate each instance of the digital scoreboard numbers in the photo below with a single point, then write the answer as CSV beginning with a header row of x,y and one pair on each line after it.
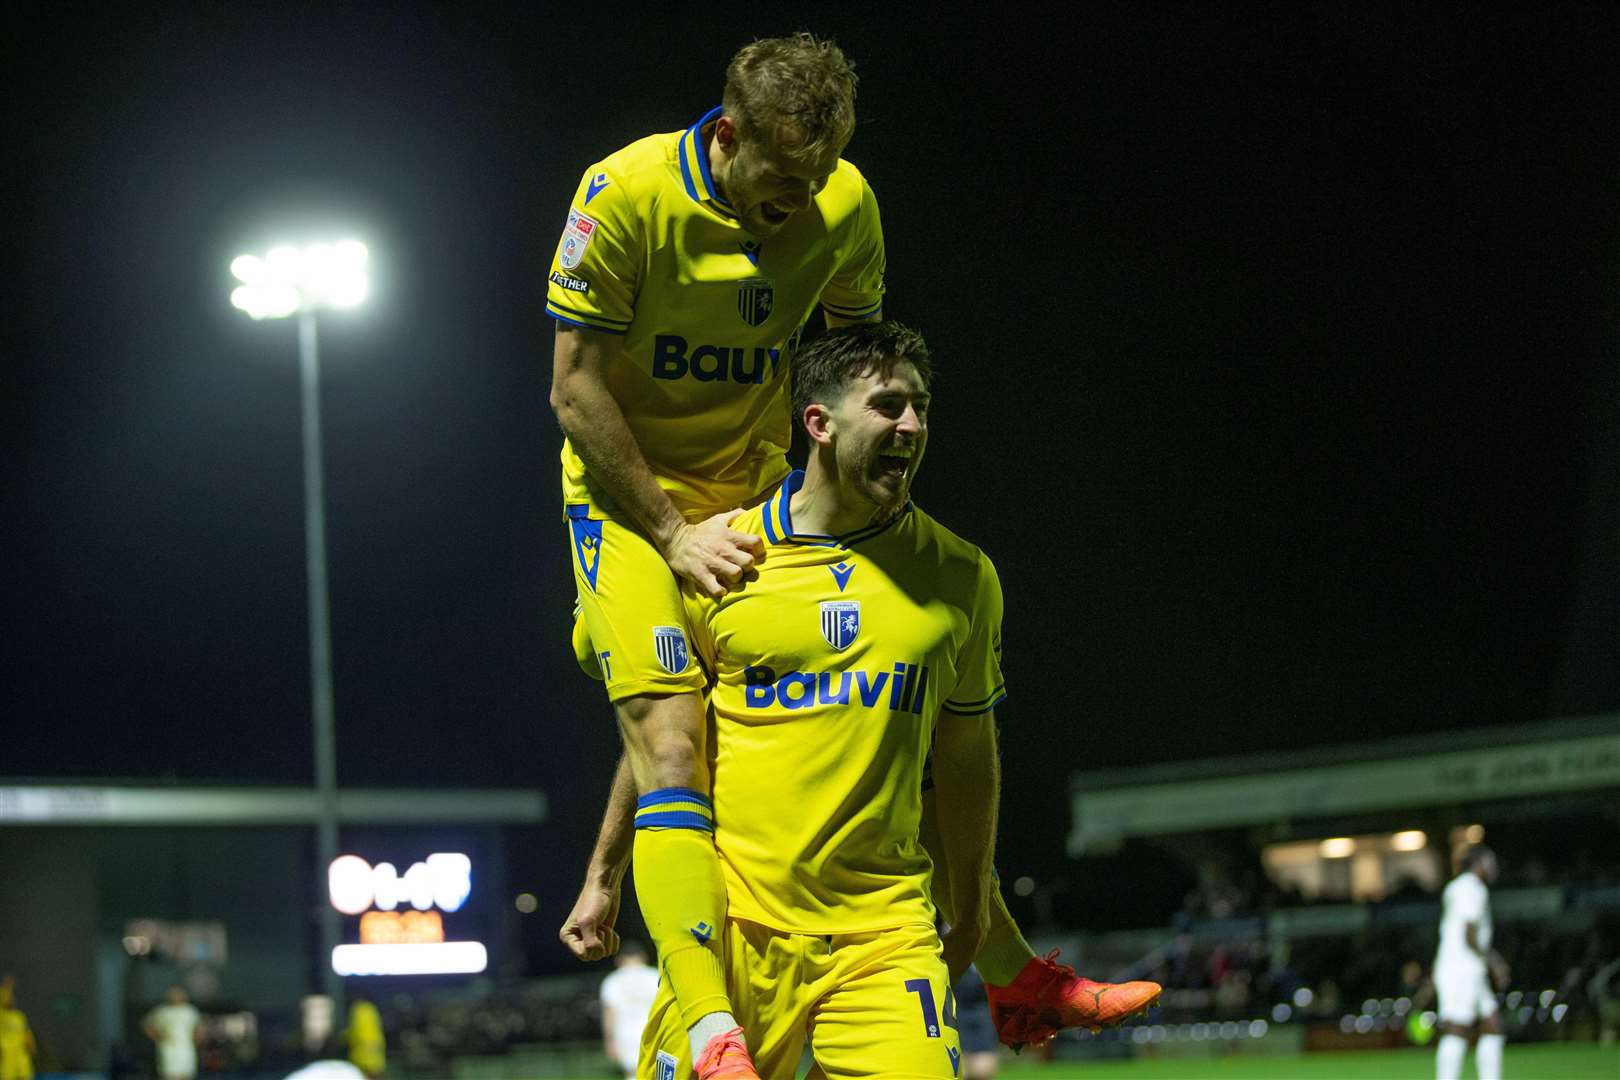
x,y
401,920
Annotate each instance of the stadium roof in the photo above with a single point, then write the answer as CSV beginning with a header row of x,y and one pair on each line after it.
x,y
109,803
1432,770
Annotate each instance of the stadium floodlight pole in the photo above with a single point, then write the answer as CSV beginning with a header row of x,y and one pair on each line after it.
x,y
292,281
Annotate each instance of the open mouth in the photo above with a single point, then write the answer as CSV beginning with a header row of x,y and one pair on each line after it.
x,y
772,214
893,465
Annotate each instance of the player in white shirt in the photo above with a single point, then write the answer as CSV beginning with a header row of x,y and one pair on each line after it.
x,y
173,1027
627,999
1465,969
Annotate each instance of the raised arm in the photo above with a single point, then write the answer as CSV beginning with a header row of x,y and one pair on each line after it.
x,y
967,784
711,555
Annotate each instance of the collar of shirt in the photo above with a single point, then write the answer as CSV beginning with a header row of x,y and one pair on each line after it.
x,y
693,152
778,520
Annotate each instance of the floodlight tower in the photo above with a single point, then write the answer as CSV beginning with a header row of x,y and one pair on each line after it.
x,y
299,281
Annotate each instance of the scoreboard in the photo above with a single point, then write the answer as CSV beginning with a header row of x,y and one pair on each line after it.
x,y
402,916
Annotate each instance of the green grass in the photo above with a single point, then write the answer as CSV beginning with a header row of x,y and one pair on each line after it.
x,y
1543,1061
1536,1061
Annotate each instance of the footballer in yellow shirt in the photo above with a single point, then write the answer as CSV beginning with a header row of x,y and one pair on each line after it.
x,y
830,671
687,264
706,311
870,633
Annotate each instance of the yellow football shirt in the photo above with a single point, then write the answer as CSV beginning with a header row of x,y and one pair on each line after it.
x,y
830,671
16,1061
708,312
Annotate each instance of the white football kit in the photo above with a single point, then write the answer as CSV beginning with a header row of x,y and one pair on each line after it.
x,y
1461,979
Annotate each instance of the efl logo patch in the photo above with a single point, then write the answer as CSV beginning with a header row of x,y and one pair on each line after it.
x,y
664,1066
754,301
572,284
840,622
576,238
669,642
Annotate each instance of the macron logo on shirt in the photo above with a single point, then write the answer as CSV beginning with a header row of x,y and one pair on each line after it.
x,y
594,188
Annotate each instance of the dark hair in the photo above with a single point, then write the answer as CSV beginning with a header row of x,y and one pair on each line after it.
x,y
1475,855
797,82
823,370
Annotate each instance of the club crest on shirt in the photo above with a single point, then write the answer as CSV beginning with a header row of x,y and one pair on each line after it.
x,y
754,301
840,622
576,238
669,642
664,1066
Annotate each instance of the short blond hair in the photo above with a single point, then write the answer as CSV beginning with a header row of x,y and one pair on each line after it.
x,y
799,82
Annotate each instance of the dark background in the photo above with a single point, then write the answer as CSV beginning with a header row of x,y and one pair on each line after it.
x,y
1277,349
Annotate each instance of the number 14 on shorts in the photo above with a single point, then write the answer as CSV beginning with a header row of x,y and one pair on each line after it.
x,y
930,1015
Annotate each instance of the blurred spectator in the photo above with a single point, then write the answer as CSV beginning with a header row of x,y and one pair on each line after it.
x,y
1604,992
16,1040
368,1048
173,1027
627,998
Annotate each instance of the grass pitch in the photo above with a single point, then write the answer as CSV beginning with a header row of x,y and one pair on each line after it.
x,y
1539,1061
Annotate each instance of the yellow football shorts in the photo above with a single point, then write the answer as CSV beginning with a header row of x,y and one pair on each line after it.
x,y
871,1005
631,604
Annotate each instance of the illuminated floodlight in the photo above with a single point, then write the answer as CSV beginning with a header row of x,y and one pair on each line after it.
x,y
249,270
1409,840
1338,847
292,279
436,958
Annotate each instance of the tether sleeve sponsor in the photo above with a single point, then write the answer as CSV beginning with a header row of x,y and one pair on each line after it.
x,y
601,249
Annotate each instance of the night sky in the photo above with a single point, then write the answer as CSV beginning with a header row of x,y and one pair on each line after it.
x,y
1278,373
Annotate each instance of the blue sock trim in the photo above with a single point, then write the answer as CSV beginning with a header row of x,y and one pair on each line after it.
x,y
673,794
675,819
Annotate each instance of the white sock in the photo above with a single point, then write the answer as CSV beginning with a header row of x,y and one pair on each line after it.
x,y
1488,1056
1448,1059
716,1023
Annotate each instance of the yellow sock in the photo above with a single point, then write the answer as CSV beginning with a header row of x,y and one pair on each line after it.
x,y
683,896
1004,952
